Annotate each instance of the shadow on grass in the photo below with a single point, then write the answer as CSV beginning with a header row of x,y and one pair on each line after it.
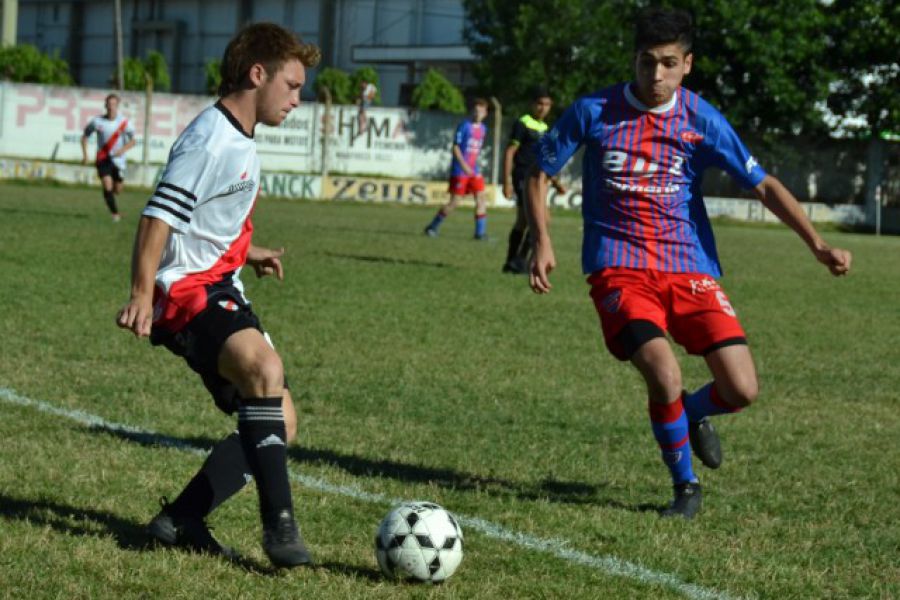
x,y
547,490
44,213
71,520
389,260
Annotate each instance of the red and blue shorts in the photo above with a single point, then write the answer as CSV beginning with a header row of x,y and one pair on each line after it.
x,y
637,305
460,185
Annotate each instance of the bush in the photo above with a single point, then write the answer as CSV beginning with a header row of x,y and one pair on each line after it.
x,y
136,71
213,73
435,92
338,83
26,64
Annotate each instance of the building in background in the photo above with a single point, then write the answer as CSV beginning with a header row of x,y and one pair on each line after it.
x,y
399,38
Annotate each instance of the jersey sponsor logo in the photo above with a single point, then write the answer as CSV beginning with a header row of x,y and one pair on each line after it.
x,y
243,186
701,286
662,190
691,137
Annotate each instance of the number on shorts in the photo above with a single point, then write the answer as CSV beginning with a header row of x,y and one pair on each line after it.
x,y
725,304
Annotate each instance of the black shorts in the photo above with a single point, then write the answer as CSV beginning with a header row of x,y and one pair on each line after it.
x,y
200,342
107,168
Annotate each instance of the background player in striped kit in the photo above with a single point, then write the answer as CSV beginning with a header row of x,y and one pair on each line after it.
x,y
115,137
465,175
648,244
193,239
518,160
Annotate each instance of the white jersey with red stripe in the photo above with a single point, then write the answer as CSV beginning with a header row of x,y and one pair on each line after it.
x,y
206,195
105,129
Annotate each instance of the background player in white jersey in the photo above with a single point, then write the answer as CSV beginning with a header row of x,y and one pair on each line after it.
x,y
115,137
193,238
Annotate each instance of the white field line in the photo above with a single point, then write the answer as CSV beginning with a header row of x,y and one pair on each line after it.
x,y
559,548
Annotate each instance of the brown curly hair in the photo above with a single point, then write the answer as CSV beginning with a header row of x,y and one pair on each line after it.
x,y
266,43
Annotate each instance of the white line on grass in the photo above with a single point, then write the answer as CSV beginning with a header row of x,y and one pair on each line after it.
x,y
559,548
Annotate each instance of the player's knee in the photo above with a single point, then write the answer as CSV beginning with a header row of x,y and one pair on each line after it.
x,y
265,372
664,384
743,393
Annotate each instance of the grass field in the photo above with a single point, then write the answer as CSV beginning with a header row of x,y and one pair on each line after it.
x,y
421,372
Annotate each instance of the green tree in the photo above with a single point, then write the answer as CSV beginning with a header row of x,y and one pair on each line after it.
x,y
337,82
435,92
213,71
26,64
137,70
760,63
863,53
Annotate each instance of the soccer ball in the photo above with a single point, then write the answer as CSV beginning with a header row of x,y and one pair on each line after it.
x,y
419,540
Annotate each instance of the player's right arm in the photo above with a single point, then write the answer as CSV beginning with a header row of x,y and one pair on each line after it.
x,y
137,314
553,151
88,131
458,155
508,158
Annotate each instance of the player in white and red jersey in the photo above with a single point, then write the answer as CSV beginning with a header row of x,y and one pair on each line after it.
x,y
648,245
115,137
193,239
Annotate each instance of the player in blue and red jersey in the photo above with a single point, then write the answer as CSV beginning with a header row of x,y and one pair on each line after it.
x,y
648,245
465,177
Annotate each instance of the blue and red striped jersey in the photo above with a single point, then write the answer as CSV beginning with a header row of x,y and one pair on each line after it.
x,y
470,138
642,171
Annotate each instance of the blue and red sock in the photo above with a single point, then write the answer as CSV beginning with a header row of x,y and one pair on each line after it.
x,y
480,225
437,220
706,402
670,428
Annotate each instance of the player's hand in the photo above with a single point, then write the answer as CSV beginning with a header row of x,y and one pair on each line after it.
x,y
266,261
507,190
136,316
836,259
542,264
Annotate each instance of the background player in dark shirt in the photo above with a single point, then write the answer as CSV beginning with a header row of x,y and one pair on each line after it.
x,y
518,161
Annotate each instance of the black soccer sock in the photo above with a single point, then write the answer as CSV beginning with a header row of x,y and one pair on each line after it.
x,y
225,472
263,436
110,198
515,240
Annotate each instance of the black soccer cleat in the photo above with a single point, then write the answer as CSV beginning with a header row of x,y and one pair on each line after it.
x,y
283,543
686,504
516,266
190,533
705,443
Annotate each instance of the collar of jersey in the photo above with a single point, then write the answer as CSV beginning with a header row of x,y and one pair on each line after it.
x,y
232,119
633,101
532,123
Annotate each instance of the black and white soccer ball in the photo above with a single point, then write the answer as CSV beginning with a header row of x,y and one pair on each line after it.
x,y
419,540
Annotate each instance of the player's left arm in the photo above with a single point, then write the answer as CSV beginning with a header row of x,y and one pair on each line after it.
x,y
778,199
129,143
266,261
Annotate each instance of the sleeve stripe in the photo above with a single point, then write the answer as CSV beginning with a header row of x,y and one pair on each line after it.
x,y
183,205
169,210
182,191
